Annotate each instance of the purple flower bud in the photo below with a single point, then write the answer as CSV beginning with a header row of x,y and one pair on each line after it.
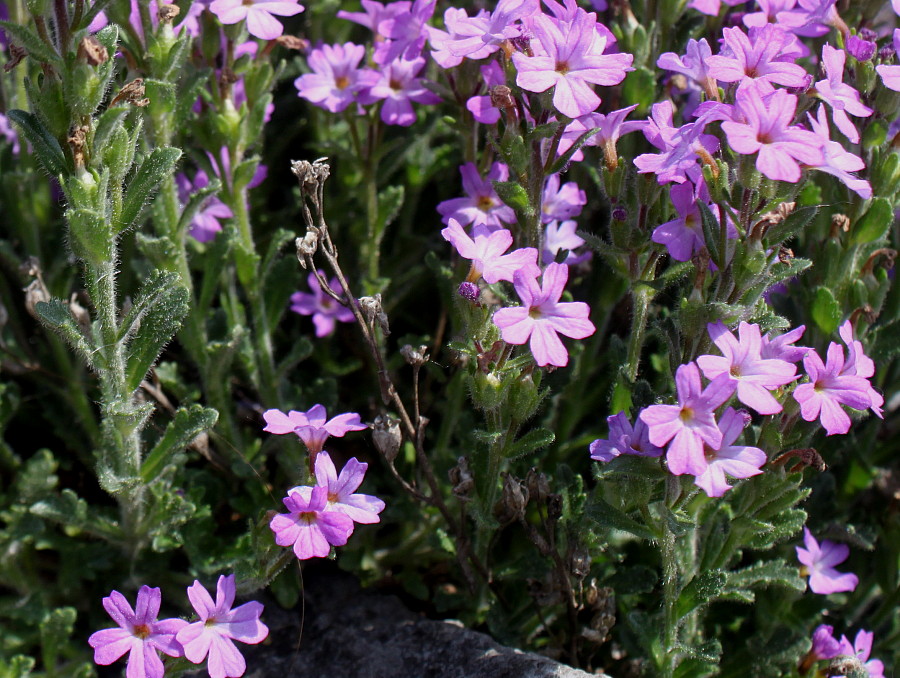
x,y
469,291
886,54
867,34
861,50
619,214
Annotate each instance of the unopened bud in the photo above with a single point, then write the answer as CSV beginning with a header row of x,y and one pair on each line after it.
x,y
619,214
469,291
386,436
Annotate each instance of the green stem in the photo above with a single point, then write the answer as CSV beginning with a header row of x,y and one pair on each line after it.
x,y
670,584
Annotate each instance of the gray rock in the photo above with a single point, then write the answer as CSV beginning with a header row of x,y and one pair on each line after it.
x,y
351,633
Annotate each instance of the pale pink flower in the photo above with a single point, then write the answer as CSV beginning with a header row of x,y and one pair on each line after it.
x,y
258,13
819,561
308,526
486,250
311,426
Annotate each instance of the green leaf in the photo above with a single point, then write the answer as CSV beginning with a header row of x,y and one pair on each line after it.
x,y
36,48
640,88
609,517
875,223
68,509
96,7
44,144
245,171
152,171
702,589
514,154
107,123
514,195
390,201
531,441
711,234
562,161
764,574
187,425
19,666
55,315
826,311
797,221
164,303
195,203
55,627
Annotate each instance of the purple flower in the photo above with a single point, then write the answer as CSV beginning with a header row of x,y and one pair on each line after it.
x,y
711,7
258,13
862,648
482,206
694,64
219,625
683,237
752,375
482,106
838,161
559,203
824,646
487,254
541,316
609,126
842,98
690,423
623,439
308,526
829,388
861,49
324,309
860,365
139,634
763,125
738,461
561,236
341,490
458,30
573,57
890,75
374,13
780,347
311,426
811,18
205,223
8,133
761,55
336,79
768,12
398,86
406,31
818,562
479,36
681,146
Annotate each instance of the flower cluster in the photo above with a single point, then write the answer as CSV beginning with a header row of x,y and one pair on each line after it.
x,y
323,515
756,370
142,636
825,646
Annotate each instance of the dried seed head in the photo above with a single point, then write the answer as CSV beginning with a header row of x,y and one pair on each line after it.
x,y
839,222
554,506
502,97
307,245
462,479
16,54
35,291
538,487
386,436
132,93
374,313
311,174
167,13
415,357
513,501
92,52
292,42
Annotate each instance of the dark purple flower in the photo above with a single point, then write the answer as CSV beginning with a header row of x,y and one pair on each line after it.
x,y
623,439
860,49
683,237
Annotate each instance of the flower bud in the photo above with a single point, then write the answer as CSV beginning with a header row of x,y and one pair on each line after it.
x,y
469,291
488,390
524,398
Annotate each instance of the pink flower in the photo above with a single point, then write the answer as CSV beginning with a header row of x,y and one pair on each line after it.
x,y
781,347
559,203
762,55
890,75
766,128
681,146
610,126
623,439
541,316
862,648
219,625
258,13
752,375
694,64
325,311
482,206
205,223
573,57
829,388
487,254
342,495
738,461
311,426
139,634
690,423
399,85
562,236
683,237
860,365
818,562
838,161
336,80
842,98
308,526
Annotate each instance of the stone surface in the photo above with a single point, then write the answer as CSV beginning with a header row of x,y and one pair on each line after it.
x,y
351,633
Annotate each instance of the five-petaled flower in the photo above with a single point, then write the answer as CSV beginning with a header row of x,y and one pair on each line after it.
x,y
311,425
308,526
140,634
218,627
818,562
